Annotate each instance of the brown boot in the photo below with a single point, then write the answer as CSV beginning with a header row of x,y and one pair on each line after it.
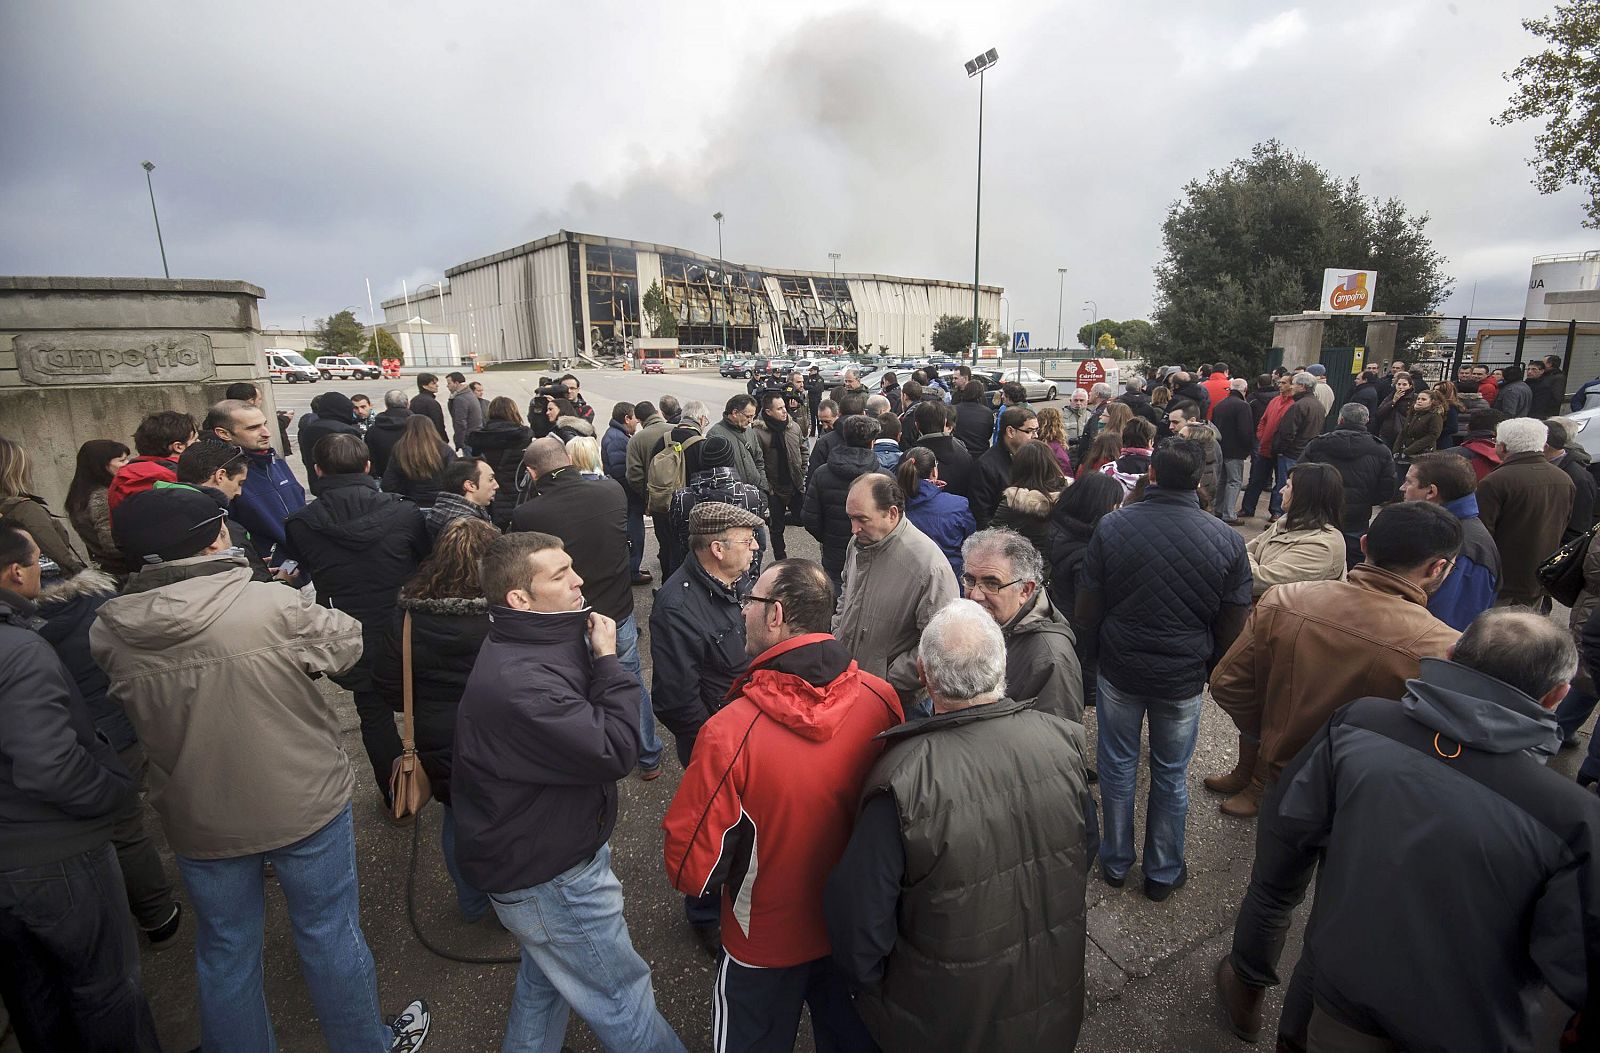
x,y
1246,804
1239,777
1241,1005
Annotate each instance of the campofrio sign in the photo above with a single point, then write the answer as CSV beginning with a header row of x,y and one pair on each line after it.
x,y
1348,292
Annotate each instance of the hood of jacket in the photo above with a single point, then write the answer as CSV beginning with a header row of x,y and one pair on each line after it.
x,y
851,461
351,509
1039,615
1348,443
1030,502
391,420
927,490
500,435
446,606
577,425
170,603
1477,710
1482,447
806,683
335,405
86,584
1463,507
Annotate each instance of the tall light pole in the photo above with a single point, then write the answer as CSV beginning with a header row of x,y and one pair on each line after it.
x,y
721,278
827,323
149,167
1061,289
1094,325
976,67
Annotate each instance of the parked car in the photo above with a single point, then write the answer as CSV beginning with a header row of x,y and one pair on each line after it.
x,y
347,367
735,368
290,367
1588,421
1037,386
653,365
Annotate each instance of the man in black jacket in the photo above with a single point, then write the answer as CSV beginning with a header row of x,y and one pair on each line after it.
x,y
1365,464
466,412
824,515
935,423
1447,787
548,723
991,472
359,545
1237,427
590,517
385,430
70,971
697,648
332,413
426,402
1365,393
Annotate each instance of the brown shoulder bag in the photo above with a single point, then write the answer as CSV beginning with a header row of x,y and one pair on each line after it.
x,y
409,788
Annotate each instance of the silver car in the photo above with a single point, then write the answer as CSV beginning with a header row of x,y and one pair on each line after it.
x,y
1038,387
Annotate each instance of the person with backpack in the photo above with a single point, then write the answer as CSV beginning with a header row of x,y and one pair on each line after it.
x,y
674,461
716,481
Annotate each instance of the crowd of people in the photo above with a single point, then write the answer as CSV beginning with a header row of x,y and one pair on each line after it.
x,y
891,804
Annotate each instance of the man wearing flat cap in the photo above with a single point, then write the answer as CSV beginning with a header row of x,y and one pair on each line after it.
x,y
215,672
717,480
697,645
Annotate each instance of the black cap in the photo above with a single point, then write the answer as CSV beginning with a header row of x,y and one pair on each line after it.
x,y
174,522
716,452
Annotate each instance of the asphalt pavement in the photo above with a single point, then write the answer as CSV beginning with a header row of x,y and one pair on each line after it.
x,y
1149,964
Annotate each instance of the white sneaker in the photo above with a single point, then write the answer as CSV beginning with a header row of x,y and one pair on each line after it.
x,y
410,1028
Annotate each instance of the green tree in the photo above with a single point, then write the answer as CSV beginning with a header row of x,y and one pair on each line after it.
x,y
1252,241
952,335
1561,85
1092,331
340,334
381,345
663,321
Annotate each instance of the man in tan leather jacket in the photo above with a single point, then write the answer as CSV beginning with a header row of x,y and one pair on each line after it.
x,y
1310,647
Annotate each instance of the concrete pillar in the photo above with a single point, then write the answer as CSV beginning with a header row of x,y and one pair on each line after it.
x,y
1300,336
1382,332
89,358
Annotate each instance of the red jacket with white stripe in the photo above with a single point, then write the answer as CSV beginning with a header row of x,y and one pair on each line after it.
x,y
769,799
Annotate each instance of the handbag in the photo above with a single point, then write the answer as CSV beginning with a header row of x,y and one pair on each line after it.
x,y
409,788
1562,574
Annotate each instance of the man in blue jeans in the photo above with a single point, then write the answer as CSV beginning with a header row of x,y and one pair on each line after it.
x,y
548,723
215,671
1163,591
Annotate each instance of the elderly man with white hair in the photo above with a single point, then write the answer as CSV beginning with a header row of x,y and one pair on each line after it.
x,y
957,910
1300,423
1003,573
1525,504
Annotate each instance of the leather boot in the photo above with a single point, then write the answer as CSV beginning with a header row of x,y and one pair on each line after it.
x,y
1241,1005
1246,804
1239,777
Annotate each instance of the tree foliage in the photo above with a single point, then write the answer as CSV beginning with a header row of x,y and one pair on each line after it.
x,y
1561,86
340,334
1133,338
1252,241
952,335
381,345
663,321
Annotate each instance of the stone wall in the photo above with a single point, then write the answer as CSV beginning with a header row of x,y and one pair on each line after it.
x,y
88,358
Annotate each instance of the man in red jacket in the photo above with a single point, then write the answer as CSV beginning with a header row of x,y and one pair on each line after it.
x,y
160,438
1216,386
766,807
1263,466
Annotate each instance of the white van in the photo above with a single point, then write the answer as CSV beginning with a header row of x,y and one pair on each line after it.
x,y
290,366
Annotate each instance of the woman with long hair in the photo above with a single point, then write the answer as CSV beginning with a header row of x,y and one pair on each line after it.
x,y
1116,416
20,507
1445,394
1106,448
1305,544
1025,505
1072,524
1392,411
1423,426
946,518
584,452
416,465
501,441
1053,433
98,461
449,620
1198,431
1160,396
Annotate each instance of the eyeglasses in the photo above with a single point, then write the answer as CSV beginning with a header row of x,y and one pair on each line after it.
x,y
750,542
745,603
988,585
1028,431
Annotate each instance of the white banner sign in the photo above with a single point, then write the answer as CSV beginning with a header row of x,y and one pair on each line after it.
x,y
1348,292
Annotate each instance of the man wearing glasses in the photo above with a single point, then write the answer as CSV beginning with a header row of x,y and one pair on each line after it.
x,y
991,473
749,464
772,790
697,647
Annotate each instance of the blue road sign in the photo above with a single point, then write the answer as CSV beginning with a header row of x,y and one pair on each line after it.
x,y
1019,341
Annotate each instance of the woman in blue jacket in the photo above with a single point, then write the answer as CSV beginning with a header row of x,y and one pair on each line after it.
x,y
945,518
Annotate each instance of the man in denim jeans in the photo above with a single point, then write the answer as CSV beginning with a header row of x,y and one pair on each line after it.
x,y
215,672
1163,591
548,723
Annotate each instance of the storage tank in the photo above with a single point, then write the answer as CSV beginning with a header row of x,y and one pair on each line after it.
x,y
1567,272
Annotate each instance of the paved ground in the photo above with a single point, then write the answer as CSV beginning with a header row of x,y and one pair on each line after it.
x,y
1149,965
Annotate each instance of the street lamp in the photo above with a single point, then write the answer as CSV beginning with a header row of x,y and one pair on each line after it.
x,y
1061,289
721,278
827,322
1094,326
976,67
149,167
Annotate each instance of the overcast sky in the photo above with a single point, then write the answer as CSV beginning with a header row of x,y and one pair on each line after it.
x,y
306,147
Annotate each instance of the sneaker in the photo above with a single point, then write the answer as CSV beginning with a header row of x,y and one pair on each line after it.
x,y
410,1028
1156,891
1114,882
161,935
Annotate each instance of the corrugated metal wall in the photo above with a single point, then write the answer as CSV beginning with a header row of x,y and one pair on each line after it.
x,y
901,315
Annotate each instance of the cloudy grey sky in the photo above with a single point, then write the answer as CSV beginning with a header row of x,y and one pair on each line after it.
x,y
309,146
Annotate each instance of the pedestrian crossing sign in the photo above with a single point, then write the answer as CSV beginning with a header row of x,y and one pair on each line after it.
x,y
1019,341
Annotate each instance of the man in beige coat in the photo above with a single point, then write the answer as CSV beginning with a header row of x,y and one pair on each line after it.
x,y
1310,647
895,581
247,766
